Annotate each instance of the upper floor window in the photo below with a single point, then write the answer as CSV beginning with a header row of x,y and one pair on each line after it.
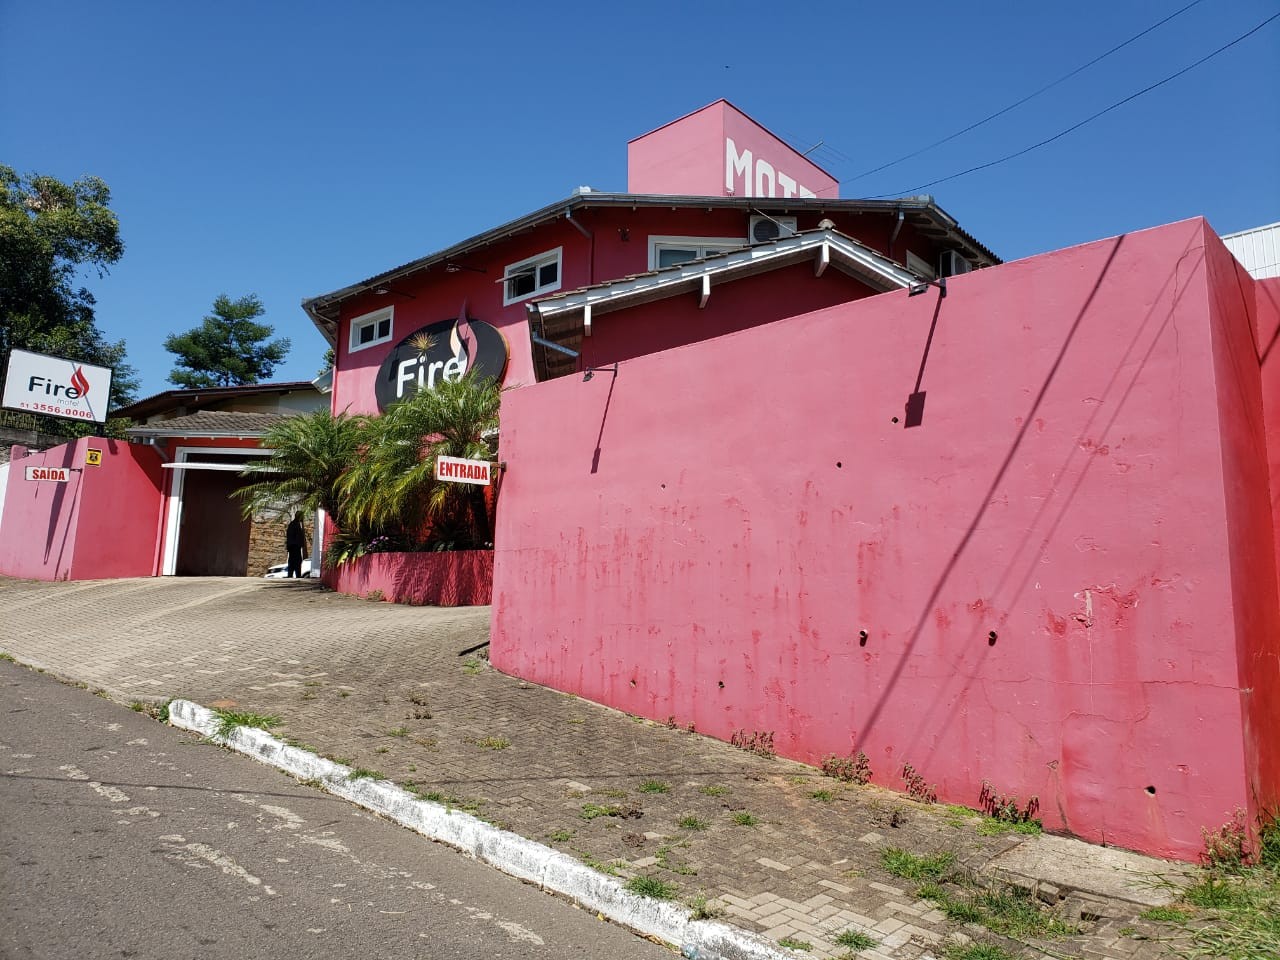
x,y
540,274
370,329
670,251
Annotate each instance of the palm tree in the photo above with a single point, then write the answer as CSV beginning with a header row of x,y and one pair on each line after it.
x,y
310,454
394,485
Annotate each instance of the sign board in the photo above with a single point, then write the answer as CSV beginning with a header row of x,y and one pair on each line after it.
x,y
56,387
457,470
93,457
56,474
444,350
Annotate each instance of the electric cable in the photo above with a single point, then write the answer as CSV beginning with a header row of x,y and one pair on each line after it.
x,y
1030,96
1077,126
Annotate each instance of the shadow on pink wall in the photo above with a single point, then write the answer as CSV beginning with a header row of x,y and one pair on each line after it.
x,y
458,578
1004,537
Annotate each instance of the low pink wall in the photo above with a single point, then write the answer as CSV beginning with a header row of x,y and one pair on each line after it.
x,y
455,578
102,523
1040,585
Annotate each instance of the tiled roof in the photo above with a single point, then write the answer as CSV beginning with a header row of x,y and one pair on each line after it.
x,y
211,423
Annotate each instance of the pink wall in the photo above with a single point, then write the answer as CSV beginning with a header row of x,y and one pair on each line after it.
x,y
705,536
700,153
458,578
101,524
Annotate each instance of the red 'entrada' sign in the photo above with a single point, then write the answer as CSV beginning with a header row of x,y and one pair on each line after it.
x,y
458,470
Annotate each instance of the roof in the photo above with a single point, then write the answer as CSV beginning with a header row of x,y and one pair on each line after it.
x,y
211,423
198,397
921,212
565,318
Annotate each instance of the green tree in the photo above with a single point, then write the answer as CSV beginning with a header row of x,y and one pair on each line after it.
x,y
50,232
393,486
310,453
228,348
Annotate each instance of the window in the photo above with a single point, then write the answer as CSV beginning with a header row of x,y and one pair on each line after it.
x,y
540,274
370,329
670,251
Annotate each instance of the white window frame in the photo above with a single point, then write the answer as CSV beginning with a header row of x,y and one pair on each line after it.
x,y
532,265
706,246
371,319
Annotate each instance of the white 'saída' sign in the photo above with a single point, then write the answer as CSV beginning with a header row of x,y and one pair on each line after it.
x,y
56,387
458,470
56,474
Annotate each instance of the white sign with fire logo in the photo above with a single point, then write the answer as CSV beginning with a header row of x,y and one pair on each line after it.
x,y
56,387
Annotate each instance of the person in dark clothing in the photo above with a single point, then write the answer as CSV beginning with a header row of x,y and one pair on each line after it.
x,y
295,541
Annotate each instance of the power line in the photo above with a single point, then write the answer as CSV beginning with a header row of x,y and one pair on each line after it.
x,y
1030,96
1077,126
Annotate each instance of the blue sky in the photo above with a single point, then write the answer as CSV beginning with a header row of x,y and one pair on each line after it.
x,y
288,149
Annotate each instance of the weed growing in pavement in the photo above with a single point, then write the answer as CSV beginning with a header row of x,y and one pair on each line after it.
x,y
647,886
398,732
976,950
560,836
311,782
610,867
744,819
578,720
822,796
693,823
381,749
612,792
493,743
471,666
855,769
1165,915
363,773
759,742
655,786
375,596
1004,809
911,867
917,788
1012,913
8,657
664,861
429,742
228,720
997,828
156,711
855,940
791,943
1228,846
591,811
713,791
702,909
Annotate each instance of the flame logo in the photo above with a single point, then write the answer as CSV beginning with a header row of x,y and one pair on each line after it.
x,y
80,382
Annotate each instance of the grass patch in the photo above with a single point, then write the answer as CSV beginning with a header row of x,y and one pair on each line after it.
x,y
993,828
228,720
701,909
1009,912
560,836
647,886
381,749
855,940
471,665
612,792
655,786
8,658
591,811
493,743
609,867
713,791
911,867
976,951
578,720
954,810
744,819
1165,915
693,823
662,856
822,796
364,773
791,943
398,732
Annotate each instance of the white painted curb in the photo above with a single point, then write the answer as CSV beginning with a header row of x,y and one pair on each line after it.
x,y
520,857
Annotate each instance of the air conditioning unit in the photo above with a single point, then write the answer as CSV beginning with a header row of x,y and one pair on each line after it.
x,y
951,264
765,229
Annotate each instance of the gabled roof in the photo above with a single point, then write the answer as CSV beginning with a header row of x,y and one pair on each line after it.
x,y
565,318
223,424
200,397
926,216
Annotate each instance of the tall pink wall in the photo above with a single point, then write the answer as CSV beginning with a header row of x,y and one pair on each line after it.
x,y
1047,568
100,524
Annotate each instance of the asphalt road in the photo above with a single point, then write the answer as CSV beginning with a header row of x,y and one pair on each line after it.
x,y
123,837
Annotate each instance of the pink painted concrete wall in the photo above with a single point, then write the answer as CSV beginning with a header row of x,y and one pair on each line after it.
x,y
1052,569
719,151
458,578
99,525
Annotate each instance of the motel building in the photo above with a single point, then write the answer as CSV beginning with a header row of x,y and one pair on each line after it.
x,y
827,468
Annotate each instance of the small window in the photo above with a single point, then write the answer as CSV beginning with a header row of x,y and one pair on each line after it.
x,y
370,329
540,274
672,251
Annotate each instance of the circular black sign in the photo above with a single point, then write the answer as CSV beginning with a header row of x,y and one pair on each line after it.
x,y
441,351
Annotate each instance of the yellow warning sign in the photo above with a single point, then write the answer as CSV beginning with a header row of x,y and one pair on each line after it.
x,y
93,457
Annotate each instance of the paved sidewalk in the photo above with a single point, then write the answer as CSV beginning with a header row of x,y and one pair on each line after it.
x,y
405,691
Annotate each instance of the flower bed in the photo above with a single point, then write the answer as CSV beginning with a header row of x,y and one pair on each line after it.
x,y
458,578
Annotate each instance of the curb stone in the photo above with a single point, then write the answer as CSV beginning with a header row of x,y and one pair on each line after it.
x,y
517,856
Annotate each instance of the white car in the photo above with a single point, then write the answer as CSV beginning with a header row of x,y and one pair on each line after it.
x,y
281,570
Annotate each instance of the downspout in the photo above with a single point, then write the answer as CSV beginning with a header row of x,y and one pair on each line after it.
x,y
894,235
591,239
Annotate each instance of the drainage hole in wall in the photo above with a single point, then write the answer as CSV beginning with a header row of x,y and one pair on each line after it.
x,y
633,683
1151,790
862,638
664,486
721,684
839,464
895,419
992,637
